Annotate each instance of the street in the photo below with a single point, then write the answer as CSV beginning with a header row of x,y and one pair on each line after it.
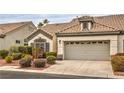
x,y
29,75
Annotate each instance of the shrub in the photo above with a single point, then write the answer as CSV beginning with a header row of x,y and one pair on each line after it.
x,y
8,59
51,59
117,63
14,49
119,54
39,63
4,53
25,55
29,50
28,56
16,56
25,62
22,49
46,54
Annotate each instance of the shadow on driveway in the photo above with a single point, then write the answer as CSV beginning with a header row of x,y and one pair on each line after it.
x,y
29,75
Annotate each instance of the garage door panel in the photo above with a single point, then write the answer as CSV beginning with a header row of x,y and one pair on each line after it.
x,y
87,51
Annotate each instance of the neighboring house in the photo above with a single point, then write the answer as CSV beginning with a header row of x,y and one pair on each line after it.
x,y
85,38
13,34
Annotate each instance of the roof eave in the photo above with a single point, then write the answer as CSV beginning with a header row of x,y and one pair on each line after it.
x,y
89,33
37,32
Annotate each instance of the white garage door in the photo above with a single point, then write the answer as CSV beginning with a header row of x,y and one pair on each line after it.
x,y
87,50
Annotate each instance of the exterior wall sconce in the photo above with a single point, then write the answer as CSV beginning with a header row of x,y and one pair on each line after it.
x,y
59,41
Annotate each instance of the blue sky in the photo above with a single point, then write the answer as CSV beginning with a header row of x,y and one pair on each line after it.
x,y
36,18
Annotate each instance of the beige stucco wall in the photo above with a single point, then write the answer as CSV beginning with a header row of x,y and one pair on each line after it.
x,y
121,43
18,34
112,38
54,43
44,37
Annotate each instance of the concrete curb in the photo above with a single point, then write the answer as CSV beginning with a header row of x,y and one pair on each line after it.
x,y
41,72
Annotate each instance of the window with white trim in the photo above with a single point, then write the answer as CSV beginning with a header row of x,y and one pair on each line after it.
x,y
17,42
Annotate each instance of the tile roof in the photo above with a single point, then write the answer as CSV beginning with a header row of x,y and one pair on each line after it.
x,y
100,24
8,27
37,32
53,28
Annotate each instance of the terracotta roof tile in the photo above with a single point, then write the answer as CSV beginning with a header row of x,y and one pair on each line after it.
x,y
5,28
53,28
100,23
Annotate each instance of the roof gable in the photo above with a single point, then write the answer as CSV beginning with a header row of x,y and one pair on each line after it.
x,y
35,33
8,27
100,24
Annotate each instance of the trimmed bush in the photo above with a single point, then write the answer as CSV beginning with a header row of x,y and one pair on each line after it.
x,y
51,59
4,53
8,59
16,56
21,49
28,56
119,54
25,55
117,63
25,62
14,49
29,50
46,54
39,63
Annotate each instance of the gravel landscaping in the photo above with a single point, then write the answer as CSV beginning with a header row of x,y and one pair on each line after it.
x,y
16,63
3,63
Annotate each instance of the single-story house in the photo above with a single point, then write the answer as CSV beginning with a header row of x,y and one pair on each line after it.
x,y
47,36
84,38
13,34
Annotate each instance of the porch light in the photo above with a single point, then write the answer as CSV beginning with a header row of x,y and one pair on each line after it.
x,y
59,41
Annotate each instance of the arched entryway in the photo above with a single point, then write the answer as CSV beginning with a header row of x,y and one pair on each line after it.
x,y
40,46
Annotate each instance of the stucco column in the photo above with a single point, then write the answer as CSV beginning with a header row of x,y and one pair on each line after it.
x,y
113,47
60,47
54,43
120,43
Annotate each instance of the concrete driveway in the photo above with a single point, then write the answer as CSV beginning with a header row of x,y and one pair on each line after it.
x,y
82,68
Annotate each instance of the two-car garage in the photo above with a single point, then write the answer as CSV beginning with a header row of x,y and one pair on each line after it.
x,y
87,50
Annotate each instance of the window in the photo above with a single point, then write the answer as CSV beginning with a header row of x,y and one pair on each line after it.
x,y
85,25
71,42
105,42
94,42
59,41
88,42
17,41
25,44
82,42
47,47
67,43
100,42
76,42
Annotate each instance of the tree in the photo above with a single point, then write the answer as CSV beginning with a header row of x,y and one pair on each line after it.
x,y
45,21
40,24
